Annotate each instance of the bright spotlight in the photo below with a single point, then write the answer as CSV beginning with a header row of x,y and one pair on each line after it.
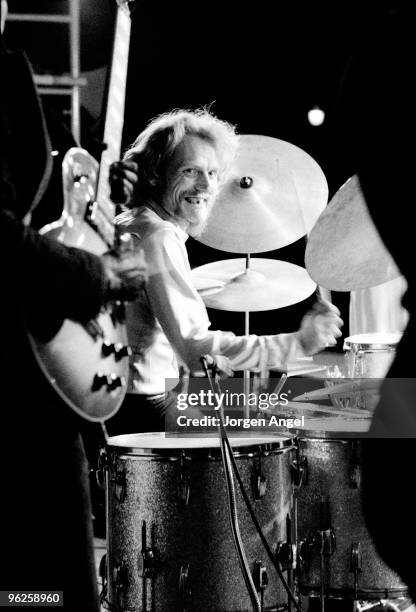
x,y
316,116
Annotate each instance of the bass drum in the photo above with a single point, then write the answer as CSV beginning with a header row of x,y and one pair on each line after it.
x,y
330,519
170,545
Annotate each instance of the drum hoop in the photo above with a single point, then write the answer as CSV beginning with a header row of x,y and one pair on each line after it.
x,y
211,453
369,347
312,590
372,342
331,436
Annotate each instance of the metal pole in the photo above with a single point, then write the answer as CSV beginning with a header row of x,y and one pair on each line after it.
x,y
41,18
247,372
74,63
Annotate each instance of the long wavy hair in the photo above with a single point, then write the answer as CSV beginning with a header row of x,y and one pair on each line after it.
x,y
155,146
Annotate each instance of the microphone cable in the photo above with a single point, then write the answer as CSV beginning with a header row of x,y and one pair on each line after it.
x,y
257,525
232,503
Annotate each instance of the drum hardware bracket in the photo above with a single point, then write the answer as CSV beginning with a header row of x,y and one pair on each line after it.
x,y
102,572
304,552
120,582
184,480
354,467
120,485
259,482
260,577
101,468
286,554
300,471
120,577
147,563
147,559
358,364
356,564
355,477
184,587
326,542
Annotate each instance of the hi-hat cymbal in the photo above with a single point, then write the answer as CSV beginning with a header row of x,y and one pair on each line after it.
x,y
266,285
273,197
344,250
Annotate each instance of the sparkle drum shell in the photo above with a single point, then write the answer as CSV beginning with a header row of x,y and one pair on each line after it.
x,y
170,545
370,355
331,494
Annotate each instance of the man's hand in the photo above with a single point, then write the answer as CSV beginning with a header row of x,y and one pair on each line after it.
x,y
320,328
220,365
126,274
123,178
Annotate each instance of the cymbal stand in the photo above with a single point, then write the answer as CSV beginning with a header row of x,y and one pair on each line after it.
x,y
247,333
263,371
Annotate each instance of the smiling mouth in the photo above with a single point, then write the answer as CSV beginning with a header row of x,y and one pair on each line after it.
x,y
196,201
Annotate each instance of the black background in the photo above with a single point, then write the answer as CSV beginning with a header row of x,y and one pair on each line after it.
x,y
260,65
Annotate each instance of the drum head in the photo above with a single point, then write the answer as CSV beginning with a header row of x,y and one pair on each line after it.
x,y
158,442
335,427
373,342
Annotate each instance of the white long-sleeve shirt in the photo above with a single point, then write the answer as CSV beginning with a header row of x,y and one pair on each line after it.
x,y
169,324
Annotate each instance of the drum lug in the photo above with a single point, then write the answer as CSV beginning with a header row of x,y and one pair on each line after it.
x,y
356,564
260,577
354,467
299,470
184,488
260,487
259,482
101,468
119,480
358,364
147,559
304,552
147,563
184,587
356,557
184,481
120,486
326,542
286,555
355,477
120,579
102,572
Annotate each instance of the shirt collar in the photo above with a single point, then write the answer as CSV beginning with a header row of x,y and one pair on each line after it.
x,y
164,214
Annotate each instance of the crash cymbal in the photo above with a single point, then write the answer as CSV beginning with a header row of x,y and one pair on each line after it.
x,y
273,197
267,284
344,250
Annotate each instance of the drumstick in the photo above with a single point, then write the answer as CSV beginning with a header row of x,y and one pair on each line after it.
x,y
328,410
340,389
323,294
281,383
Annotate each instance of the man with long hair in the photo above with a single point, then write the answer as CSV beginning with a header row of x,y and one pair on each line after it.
x,y
172,175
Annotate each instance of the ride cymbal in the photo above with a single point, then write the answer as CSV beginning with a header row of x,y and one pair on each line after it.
x,y
266,285
344,250
273,197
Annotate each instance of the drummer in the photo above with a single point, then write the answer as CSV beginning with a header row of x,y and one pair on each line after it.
x,y
169,180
